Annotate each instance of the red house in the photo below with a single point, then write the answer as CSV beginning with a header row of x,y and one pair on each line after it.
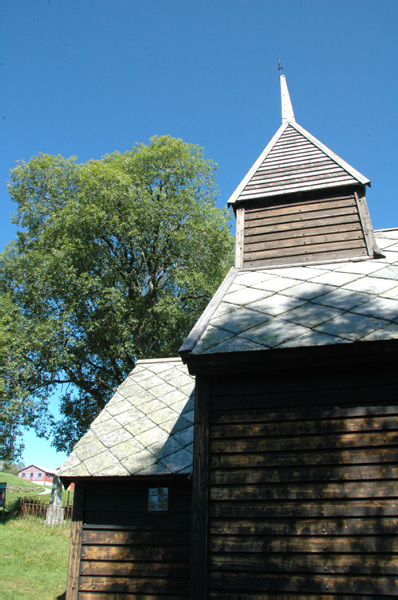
x,y
37,474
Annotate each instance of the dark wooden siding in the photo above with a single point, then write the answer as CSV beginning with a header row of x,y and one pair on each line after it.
x,y
128,553
303,493
312,227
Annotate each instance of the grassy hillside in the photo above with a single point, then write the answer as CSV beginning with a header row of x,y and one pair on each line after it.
x,y
20,488
14,480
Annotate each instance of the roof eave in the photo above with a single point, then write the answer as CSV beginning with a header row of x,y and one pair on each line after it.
x,y
271,359
309,188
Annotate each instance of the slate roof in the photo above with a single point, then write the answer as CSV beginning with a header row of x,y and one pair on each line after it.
x,y
295,161
308,305
145,429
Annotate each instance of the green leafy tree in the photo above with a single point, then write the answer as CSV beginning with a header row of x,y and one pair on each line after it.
x,y
115,260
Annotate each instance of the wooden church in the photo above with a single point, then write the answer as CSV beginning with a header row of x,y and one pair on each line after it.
x,y
288,385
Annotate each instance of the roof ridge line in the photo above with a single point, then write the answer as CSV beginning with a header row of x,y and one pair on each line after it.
x,y
143,361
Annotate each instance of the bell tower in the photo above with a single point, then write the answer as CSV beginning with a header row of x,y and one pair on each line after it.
x,y
300,202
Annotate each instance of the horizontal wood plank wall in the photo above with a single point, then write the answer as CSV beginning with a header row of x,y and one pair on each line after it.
x,y
128,553
303,486
303,229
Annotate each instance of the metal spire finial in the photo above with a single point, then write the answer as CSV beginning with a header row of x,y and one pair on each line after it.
x,y
280,66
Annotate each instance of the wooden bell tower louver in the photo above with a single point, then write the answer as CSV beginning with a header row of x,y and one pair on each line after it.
x,y
300,202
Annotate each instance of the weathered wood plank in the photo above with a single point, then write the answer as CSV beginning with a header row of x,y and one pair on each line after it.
x,y
300,208
131,585
353,456
291,491
305,583
261,208
258,206
312,249
245,415
296,155
156,553
301,240
135,536
306,258
382,564
306,427
249,475
270,177
315,508
296,164
304,544
275,172
298,443
300,230
345,220
225,595
135,569
306,527
284,172
272,162
124,596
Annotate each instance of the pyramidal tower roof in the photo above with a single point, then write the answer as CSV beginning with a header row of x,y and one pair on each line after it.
x,y
294,161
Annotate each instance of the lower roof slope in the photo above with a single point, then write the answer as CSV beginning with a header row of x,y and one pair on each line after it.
x,y
310,305
145,429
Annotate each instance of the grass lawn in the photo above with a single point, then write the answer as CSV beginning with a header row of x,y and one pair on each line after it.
x,y
33,559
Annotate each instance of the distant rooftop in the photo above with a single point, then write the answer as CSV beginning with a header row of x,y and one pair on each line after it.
x,y
45,469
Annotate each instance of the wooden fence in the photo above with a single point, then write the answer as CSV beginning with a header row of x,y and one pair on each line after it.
x,y
39,509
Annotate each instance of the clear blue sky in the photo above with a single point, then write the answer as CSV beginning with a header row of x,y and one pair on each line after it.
x,y
89,77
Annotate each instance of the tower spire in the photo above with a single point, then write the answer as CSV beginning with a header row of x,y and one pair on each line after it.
x,y
287,108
